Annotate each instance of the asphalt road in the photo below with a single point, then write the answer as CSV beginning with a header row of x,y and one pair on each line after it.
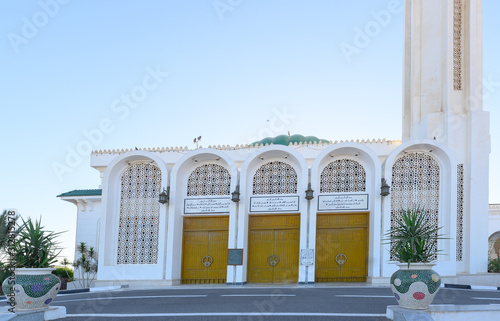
x,y
294,303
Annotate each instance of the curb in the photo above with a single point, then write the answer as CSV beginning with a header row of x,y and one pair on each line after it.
x,y
73,291
98,289
471,287
105,288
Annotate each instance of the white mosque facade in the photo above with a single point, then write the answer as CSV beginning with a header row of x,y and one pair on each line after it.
x,y
295,209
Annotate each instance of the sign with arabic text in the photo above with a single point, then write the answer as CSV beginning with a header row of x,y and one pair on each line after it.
x,y
342,202
206,205
274,204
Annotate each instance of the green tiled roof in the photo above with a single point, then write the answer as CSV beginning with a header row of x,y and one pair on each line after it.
x,y
82,192
287,140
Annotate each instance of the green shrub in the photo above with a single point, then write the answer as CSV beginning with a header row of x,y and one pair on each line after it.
x,y
494,266
64,272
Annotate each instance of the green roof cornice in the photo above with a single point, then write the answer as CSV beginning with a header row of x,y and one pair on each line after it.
x,y
82,192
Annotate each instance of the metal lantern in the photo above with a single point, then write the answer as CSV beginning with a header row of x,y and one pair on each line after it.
x,y
164,195
235,196
384,189
309,192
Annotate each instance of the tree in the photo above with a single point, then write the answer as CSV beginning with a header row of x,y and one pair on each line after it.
x,y
86,264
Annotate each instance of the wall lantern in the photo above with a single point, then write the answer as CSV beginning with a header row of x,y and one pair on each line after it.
x,y
384,189
235,196
309,192
165,195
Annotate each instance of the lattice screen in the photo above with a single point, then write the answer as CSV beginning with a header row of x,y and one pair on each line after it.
x,y
275,178
209,179
415,182
458,29
98,236
343,176
460,211
139,215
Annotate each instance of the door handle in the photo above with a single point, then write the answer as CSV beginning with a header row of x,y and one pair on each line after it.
x,y
273,260
341,258
207,261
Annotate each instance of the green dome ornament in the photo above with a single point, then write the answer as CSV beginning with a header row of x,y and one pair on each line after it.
x,y
287,140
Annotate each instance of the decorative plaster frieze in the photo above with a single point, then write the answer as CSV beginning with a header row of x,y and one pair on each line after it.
x,y
239,147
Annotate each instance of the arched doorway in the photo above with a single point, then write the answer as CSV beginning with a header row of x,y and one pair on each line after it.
x,y
205,235
273,238
342,236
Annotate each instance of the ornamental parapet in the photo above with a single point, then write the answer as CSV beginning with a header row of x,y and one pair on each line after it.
x,y
242,146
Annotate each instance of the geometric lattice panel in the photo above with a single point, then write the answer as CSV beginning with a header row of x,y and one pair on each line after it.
x,y
97,241
415,183
343,176
139,215
209,179
460,211
458,27
275,178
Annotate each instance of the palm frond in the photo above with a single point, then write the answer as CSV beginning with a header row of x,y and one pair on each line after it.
x,y
413,238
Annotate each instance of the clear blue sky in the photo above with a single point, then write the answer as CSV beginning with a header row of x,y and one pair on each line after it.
x,y
231,69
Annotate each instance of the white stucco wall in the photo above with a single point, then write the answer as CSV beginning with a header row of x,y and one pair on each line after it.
x,y
493,229
88,220
308,160
494,219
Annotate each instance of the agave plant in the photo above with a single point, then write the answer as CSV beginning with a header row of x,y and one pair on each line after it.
x,y
35,247
414,237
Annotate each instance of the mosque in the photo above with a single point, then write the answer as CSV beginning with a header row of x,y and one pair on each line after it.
x,y
299,209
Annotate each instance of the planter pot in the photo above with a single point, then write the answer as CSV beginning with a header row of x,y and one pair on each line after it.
x,y
416,286
33,289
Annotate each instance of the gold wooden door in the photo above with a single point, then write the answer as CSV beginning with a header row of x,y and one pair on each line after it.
x,y
342,247
217,249
260,247
273,249
204,251
286,248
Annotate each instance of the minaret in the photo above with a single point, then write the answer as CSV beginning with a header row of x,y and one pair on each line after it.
x,y
443,95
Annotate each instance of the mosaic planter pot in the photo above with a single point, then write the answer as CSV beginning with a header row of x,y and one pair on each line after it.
x,y
416,286
33,289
